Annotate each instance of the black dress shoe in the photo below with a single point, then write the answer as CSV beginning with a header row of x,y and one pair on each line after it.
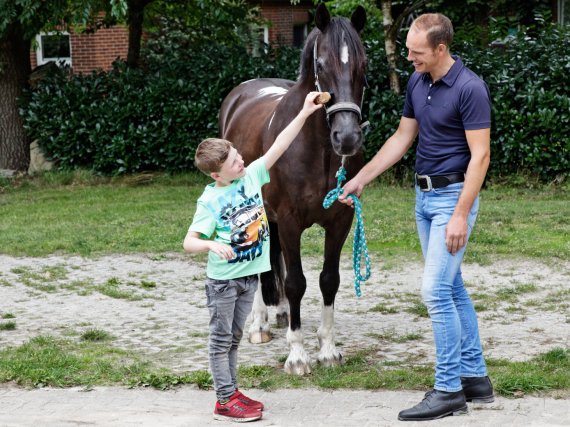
x,y
436,404
477,389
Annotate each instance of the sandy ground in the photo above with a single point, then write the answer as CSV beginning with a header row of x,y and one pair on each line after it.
x,y
523,308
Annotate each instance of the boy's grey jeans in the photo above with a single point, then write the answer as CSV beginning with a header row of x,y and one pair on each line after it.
x,y
229,303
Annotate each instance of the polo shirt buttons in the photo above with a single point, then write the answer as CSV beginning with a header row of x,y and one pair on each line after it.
x,y
429,97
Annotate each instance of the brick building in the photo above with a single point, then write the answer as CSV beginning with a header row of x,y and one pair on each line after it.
x,y
97,51
289,24
83,52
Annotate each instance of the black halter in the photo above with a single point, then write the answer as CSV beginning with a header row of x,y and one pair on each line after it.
x,y
339,106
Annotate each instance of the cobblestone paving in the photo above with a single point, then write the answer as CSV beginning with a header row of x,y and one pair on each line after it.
x,y
155,304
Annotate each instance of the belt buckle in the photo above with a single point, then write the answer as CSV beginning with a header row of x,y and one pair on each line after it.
x,y
428,181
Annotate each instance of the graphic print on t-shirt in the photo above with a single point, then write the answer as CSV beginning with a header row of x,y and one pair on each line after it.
x,y
246,221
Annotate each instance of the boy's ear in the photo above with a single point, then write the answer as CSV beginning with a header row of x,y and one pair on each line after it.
x,y
214,175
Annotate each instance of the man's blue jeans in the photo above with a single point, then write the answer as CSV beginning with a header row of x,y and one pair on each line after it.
x,y
229,304
454,321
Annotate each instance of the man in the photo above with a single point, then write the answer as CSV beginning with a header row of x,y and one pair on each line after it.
x,y
449,107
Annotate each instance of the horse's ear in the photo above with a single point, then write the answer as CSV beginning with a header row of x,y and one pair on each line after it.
x,y
358,18
322,17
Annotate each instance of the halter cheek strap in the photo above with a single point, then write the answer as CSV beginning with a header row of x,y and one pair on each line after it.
x,y
339,106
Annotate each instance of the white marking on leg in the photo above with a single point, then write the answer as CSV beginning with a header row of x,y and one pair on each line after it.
x,y
298,362
259,329
328,355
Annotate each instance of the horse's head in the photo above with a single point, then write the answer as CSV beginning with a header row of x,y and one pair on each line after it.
x,y
335,58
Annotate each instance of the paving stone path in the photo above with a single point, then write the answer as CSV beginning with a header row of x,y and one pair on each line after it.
x,y
155,304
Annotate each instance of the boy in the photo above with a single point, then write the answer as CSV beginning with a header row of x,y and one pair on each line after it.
x,y
231,209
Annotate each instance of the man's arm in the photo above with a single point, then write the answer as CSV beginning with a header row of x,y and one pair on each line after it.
x,y
287,135
390,153
479,142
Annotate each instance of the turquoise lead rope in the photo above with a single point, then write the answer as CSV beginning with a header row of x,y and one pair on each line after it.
x,y
359,246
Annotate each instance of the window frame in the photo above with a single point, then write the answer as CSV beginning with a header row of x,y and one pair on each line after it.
x,y
60,60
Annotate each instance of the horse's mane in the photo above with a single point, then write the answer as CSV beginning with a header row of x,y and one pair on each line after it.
x,y
333,36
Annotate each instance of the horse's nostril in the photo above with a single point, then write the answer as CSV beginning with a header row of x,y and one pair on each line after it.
x,y
335,136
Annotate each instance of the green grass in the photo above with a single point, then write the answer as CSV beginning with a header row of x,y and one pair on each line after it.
x,y
96,335
47,361
547,372
7,326
77,213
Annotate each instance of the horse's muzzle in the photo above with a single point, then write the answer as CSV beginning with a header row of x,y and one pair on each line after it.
x,y
346,140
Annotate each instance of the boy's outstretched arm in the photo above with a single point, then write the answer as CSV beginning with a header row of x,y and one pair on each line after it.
x,y
287,135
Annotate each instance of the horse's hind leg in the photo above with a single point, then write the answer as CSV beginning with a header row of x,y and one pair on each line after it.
x,y
259,329
270,292
329,282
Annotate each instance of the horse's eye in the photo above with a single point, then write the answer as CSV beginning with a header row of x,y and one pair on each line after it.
x,y
319,66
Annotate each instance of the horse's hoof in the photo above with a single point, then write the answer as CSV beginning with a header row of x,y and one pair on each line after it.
x,y
330,361
259,337
282,320
297,368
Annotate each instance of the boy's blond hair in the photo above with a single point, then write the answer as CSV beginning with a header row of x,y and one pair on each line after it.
x,y
211,154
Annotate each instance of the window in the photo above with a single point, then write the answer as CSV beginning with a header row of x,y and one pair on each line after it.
x,y
260,40
53,47
299,34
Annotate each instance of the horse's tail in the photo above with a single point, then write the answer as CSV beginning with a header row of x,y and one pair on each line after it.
x,y
272,282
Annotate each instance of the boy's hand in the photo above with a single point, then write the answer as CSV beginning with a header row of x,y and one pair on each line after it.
x,y
310,107
222,250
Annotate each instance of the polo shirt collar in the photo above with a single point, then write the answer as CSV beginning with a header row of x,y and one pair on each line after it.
x,y
452,74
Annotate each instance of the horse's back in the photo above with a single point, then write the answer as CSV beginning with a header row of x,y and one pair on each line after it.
x,y
246,111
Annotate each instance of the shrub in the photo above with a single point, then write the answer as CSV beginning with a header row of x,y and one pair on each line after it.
x,y
152,118
529,80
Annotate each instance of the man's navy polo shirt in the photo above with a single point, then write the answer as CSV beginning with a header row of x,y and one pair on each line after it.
x,y
444,110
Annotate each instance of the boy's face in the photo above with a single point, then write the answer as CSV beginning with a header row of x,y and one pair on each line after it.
x,y
232,169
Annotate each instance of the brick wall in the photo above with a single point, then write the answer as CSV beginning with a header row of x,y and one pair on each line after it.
x,y
283,18
95,51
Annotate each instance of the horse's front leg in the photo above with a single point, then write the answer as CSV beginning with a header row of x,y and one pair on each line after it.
x,y
329,282
298,362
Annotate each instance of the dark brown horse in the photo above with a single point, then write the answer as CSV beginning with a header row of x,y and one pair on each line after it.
x,y
252,116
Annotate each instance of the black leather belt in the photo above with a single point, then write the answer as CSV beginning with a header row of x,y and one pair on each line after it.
x,y
427,182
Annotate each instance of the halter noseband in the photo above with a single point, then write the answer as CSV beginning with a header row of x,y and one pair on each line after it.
x,y
339,106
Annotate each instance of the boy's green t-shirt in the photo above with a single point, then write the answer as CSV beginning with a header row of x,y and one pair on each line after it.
x,y
235,215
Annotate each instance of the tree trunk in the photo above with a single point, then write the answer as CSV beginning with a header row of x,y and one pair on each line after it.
x,y
15,69
390,45
135,19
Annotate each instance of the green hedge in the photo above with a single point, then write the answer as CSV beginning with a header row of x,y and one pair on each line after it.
x,y
152,118
131,120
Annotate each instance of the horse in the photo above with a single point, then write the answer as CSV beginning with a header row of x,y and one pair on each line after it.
x,y
333,59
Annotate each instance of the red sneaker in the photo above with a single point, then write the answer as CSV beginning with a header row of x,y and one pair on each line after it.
x,y
254,404
235,411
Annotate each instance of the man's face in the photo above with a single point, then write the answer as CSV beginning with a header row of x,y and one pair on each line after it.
x,y
420,53
232,169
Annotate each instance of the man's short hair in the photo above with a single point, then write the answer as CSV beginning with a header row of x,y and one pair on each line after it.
x,y
211,154
439,28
